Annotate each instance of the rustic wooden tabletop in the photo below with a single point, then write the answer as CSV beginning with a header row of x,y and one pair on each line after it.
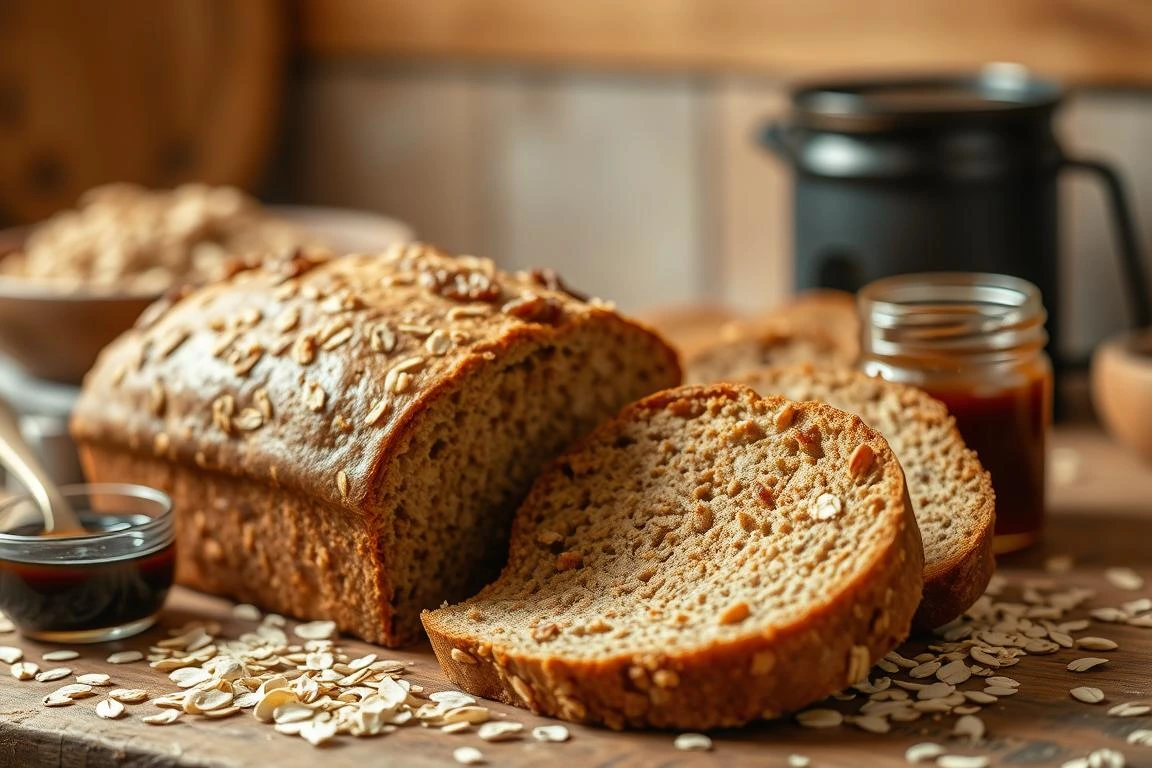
x,y
1101,518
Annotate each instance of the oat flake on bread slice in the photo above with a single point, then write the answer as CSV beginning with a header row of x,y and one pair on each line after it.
x,y
951,492
706,558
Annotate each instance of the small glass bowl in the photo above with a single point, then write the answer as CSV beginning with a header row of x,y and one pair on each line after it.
x,y
104,585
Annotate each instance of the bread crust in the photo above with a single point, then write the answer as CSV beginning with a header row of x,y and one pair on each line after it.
x,y
724,683
951,583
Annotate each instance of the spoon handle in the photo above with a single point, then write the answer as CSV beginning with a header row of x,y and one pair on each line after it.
x,y
17,457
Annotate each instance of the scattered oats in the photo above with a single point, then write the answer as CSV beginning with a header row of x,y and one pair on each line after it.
x,y
501,730
125,657
1063,639
6,625
1142,605
207,700
74,690
10,654
460,726
954,672
1001,690
1124,578
935,691
551,733
966,709
1088,695
25,670
245,612
962,761
164,717
51,675
1002,680
1141,737
1108,614
799,761
316,732
109,709
60,655
920,753
1085,664
820,718
1141,621
970,727
1105,758
316,630
1096,644
468,756
186,677
927,669
94,678
128,695
872,724
52,700
693,742
1129,709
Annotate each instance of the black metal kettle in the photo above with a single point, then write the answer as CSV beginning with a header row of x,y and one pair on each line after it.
x,y
937,173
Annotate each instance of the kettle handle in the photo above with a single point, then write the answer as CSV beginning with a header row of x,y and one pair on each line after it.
x,y
1126,237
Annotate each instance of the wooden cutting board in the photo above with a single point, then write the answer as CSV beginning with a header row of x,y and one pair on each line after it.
x,y
1102,518
157,92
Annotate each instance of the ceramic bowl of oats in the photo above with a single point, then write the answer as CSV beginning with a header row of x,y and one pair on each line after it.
x,y
75,282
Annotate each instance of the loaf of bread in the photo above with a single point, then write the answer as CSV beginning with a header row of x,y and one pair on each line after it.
x,y
348,438
951,492
819,326
707,558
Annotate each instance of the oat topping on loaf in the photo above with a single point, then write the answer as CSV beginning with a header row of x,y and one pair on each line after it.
x,y
670,568
391,409
951,492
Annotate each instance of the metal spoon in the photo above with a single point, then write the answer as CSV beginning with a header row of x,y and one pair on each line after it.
x,y
17,458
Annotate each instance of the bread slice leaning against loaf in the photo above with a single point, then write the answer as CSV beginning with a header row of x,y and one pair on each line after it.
x,y
707,558
348,438
950,490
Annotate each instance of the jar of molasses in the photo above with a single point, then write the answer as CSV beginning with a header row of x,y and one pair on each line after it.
x,y
976,342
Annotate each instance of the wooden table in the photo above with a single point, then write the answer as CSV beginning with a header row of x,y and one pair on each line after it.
x,y
1102,516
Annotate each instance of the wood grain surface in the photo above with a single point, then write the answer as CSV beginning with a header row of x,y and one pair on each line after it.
x,y
1101,516
1089,41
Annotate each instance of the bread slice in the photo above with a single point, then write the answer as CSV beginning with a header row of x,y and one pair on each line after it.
x,y
706,558
817,326
951,492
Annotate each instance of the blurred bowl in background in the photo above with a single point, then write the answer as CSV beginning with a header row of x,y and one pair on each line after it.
x,y
57,334
1122,389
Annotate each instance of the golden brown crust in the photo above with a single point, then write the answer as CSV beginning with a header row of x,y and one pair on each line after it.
x,y
305,382
728,683
956,571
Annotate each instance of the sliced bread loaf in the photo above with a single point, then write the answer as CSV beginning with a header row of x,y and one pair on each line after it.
x,y
706,558
348,438
951,493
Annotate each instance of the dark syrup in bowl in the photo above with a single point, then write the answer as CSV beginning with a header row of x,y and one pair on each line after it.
x,y
97,587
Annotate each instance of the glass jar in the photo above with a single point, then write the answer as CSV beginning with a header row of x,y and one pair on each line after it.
x,y
976,342
106,583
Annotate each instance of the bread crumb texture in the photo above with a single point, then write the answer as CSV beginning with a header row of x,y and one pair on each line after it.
x,y
698,561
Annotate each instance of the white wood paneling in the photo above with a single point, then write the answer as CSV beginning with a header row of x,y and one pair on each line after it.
x,y
599,178
397,141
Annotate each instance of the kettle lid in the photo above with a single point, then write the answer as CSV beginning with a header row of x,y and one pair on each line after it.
x,y
996,93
